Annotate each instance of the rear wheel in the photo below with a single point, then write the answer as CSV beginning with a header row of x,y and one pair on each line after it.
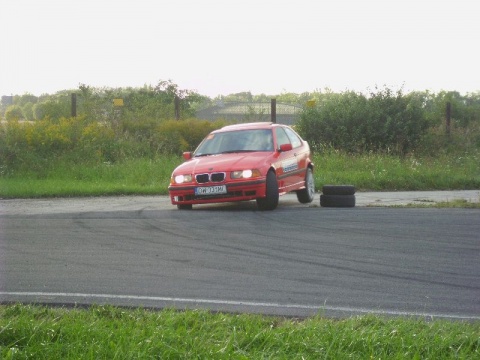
x,y
270,201
306,195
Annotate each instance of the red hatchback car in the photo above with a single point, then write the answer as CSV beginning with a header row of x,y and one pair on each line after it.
x,y
253,161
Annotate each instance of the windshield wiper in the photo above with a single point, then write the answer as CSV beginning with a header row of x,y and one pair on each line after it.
x,y
225,152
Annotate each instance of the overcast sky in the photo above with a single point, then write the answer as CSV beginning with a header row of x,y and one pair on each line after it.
x,y
219,47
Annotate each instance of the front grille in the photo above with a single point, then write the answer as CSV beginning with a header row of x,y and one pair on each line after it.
x,y
213,177
217,177
202,178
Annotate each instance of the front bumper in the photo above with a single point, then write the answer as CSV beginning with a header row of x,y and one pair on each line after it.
x,y
236,191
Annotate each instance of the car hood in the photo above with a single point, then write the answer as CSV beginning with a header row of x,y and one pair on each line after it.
x,y
223,162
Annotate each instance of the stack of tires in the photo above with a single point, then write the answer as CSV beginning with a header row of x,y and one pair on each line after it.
x,y
338,196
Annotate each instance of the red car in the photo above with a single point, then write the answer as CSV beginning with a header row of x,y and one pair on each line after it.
x,y
254,161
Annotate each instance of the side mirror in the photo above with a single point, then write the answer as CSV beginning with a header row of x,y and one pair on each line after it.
x,y
285,147
187,155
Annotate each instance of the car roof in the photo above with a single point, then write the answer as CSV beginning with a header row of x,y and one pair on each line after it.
x,y
247,126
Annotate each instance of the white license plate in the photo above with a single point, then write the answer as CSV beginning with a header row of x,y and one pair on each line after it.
x,y
211,190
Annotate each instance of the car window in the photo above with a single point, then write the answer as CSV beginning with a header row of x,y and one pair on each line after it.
x,y
261,140
282,137
243,140
294,139
210,145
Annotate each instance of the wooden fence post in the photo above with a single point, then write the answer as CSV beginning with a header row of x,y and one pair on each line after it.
x,y
74,105
177,107
448,114
273,110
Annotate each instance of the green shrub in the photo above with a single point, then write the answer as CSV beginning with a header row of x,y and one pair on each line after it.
x,y
53,108
338,122
97,141
37,145
27,111
461,140
13,142
13,112
174,136
32,144
385,121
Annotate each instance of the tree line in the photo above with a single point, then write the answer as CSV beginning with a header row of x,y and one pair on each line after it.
x,y
383,120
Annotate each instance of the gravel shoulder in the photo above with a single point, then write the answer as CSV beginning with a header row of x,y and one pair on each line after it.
x,y
133,203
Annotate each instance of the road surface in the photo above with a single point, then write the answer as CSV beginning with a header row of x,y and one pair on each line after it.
x,y
298,260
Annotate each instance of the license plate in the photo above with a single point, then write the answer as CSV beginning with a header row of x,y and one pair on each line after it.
x,y
211,190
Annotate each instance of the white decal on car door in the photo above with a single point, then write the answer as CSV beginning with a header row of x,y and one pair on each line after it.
x,y
289,165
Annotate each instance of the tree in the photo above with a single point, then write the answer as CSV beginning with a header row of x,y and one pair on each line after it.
x,y
54,107
13,112
27,111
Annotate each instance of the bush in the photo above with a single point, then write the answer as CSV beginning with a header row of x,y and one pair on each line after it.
x,y
13,112
174,136
338,122
27,111
32,144
55,108
36,145
384,121
12,142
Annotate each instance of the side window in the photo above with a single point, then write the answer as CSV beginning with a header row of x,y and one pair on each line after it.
x,y
282,137
294,139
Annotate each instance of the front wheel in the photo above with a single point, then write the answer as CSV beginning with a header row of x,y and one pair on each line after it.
x,y
270,201
306,195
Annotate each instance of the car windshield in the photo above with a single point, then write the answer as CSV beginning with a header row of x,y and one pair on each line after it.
x,y
236,141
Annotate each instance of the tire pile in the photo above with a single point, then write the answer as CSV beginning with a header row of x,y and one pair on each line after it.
x,y
338,196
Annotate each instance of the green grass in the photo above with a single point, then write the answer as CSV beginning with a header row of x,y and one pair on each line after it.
x,y
391,173
60,177
133,176
106,332
456,203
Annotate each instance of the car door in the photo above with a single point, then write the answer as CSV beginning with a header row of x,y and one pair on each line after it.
x,y
287,164
301,154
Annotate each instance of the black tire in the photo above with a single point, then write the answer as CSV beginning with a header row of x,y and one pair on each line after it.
x,y
184,207
337,200
270,201
338,190
306,195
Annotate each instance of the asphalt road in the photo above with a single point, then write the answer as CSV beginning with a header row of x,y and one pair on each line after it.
x,y
296,261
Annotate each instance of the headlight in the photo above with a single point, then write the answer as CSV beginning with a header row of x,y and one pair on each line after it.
x,y
181,179
245,174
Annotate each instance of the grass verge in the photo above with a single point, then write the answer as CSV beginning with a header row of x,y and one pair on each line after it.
x,y
391,173
106,332
456,203
60,177
63,179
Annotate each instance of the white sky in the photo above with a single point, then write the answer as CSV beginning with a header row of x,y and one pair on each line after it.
x,y
222,46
